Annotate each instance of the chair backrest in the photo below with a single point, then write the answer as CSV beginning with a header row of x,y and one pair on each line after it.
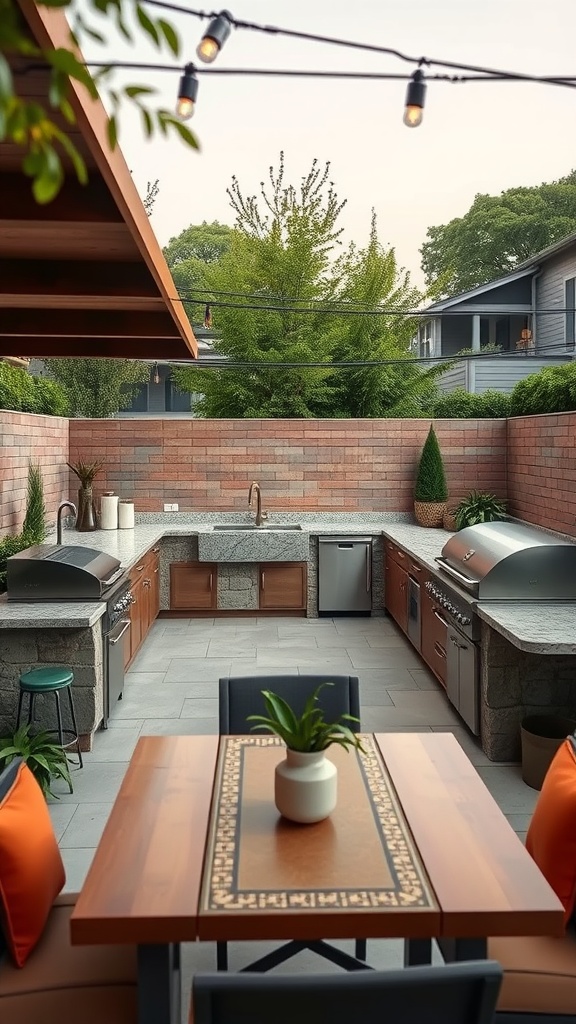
x,y
240,696
463,993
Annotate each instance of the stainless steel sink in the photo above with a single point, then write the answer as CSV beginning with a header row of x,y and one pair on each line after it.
x,y
252,526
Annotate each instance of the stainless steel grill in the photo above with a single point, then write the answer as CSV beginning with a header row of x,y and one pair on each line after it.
x,y
52,572
507,561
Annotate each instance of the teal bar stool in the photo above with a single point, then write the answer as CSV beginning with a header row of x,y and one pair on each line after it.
x,y
44,681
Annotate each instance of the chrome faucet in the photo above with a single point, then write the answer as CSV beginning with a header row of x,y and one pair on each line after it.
x,y
61,506
260,515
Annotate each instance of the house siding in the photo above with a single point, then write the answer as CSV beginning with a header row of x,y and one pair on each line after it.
x,y
498,374
550,327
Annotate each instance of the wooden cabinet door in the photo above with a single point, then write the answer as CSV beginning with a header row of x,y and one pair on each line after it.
x,y
193,586
434,636
283,586
396,592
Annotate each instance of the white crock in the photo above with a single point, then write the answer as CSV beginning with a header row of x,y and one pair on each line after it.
x,y
305,786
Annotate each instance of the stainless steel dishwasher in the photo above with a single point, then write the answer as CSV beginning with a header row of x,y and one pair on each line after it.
x,y
344,575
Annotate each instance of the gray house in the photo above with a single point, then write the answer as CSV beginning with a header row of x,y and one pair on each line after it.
x,y
529,315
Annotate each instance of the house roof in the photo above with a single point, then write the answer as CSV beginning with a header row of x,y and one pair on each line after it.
x,y
83,275
455,300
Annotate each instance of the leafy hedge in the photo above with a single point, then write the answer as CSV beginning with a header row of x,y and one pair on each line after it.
x,y
460,404
551,390
23,393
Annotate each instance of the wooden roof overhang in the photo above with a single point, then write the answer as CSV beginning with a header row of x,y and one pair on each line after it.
x,y
83,275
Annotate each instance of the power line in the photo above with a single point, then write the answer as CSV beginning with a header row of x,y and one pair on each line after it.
x,y
377,311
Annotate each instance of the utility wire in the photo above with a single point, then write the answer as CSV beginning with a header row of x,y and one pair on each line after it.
x,y
365,47
377,311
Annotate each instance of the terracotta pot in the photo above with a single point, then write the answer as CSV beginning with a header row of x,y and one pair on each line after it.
x,y
305,786
429,513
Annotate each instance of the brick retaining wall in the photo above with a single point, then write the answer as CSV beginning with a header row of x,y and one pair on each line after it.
x,y
542,470
42,439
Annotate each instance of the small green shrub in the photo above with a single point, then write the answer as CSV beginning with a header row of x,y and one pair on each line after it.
x,y
551,390
479,507
34,528
430,478
23,393
460,404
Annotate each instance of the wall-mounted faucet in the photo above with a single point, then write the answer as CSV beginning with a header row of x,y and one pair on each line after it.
x,y
61,507
260,515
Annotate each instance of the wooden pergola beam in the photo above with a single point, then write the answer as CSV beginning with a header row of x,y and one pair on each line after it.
x,y
43,346
81,324
71,277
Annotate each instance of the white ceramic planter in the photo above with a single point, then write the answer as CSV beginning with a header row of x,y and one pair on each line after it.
x,y
305,787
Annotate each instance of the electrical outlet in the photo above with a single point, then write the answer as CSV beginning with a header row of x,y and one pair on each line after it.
x,y
170,507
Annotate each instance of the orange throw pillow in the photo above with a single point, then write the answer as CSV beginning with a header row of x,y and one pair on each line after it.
x,y
551,839
31,868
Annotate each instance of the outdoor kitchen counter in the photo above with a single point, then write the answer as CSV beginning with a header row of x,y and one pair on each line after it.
x,y
538,627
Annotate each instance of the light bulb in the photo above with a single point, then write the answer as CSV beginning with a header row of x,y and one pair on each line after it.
x,y
207,50
187,93
415,99
413,116
185,108
214,37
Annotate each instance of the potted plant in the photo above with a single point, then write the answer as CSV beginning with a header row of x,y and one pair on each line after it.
x,y
430,491
305,783
479,507
46,760
86,471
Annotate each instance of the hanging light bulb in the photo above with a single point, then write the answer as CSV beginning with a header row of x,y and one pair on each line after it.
x,y
214,37
187,93
415,98
156,377
208,317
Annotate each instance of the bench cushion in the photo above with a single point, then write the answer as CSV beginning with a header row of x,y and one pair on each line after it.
x,y
539,973
31,868
551,838
61,982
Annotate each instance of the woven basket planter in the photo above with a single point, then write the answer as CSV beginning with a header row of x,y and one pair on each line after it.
x,y
429,513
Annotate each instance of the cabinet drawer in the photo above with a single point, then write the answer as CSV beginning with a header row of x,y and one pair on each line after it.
x,y
396,554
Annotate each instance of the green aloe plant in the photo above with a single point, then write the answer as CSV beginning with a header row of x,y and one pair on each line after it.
x,y
479,507
46,759
308,733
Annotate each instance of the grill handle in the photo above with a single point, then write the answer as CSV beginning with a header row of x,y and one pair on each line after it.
x,y
454,572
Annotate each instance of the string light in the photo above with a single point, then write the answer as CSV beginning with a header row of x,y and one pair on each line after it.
x,y
214,37
187,93
156,374
415,98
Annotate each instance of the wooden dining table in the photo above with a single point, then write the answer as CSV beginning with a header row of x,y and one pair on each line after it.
x,y
195,849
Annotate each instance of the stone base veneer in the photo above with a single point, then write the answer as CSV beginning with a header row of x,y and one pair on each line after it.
x,y
237,586
515,684
80,650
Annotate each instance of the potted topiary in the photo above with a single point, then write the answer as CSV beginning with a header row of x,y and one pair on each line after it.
x,y
305,783
430,491
479,507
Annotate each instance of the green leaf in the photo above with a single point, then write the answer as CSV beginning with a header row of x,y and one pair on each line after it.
x,y
133,91
148,122
77,160
47,185
185,134
65,61
170,35
6,84
148,25
112,132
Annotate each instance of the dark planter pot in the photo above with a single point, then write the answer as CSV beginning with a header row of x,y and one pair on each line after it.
x,y
542,735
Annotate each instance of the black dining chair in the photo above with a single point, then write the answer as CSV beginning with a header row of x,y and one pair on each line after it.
x,y
464,993
240,696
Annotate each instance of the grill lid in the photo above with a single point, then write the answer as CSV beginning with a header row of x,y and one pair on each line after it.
x,y
51,572
511,561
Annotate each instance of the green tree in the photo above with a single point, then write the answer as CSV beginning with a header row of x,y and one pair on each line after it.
x,y
37,129
205,242
97,388
497,233
280,253
372,278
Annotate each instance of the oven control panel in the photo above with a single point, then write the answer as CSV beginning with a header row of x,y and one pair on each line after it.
x,y
446,602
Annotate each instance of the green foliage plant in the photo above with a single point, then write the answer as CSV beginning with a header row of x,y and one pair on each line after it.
x,y
42,132
479,507
86,471
46,759
98,388
34,527
308,733
551,390
21,392
461,404
430,477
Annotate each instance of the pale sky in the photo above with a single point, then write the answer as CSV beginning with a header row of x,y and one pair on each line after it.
x,y
474,137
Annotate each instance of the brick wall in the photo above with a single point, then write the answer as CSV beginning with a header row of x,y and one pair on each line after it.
x,y
302,465
43,440
542,470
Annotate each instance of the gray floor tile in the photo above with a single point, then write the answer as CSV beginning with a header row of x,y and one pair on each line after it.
x,y
76,864
148,660
146,678
114,744
196,670
188,646
519,822
425,680
86,826
200,707
388,678
336,641
61,814
385,640
374,696
383,657
379,719
220,652
95,783
145,701
180,727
